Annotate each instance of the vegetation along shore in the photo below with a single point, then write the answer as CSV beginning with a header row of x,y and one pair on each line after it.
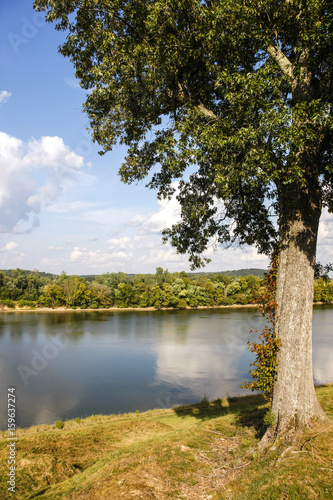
x,y
24,290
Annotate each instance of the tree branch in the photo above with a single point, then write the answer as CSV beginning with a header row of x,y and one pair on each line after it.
x,y
206,112
282,60
201,108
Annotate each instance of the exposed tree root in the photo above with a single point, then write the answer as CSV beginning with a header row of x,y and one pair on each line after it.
x,y
275,435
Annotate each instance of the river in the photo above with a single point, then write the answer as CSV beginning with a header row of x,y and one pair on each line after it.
x,y
75,364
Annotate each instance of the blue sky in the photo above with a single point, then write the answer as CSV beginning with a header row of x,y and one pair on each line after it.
x,y
62,205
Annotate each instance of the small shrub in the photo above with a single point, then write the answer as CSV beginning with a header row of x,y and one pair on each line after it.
x,y
59,424
205,400
264,372
26,303
8,303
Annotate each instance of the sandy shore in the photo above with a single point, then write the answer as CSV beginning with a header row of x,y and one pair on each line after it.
x,y
117,309
6,309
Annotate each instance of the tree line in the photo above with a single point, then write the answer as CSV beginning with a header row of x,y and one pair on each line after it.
x,y
160,290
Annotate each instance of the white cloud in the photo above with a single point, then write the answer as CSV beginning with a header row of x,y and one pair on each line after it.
x,y
10,256
51,152
11,246
4,96
167,215
325,237
33,175
102,257
121,243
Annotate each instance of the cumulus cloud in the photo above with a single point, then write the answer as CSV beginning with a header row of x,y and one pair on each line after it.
x,y
10,255
102,257
4,96
11,246
121,243
167,215
325,237
33,175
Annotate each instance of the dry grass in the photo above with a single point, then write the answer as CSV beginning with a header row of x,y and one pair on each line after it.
x,y
198,452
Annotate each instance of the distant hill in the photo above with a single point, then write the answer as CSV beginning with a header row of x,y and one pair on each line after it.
x,y
247,272
90,277
237,273
9,272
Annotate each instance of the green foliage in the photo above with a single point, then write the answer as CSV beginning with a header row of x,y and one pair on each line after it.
x,y
264,372
163,289
323,290
26,303
232,99
8,303
205,400
59,424
269,418
323,271
239,91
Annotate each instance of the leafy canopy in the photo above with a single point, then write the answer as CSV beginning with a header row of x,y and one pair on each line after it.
x,y
224,96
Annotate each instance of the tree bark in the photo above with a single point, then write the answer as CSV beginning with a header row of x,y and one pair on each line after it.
x,y
295,403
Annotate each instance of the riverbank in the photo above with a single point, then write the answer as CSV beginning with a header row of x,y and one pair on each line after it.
x,y
201,451
117,309
6,309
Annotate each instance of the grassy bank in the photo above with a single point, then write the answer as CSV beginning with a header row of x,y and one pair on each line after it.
x,y
202,451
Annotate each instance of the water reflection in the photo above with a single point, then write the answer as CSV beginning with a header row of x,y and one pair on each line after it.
x,y
212,355
65,365
323,344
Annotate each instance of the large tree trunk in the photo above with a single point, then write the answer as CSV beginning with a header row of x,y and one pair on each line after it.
x,y
295,404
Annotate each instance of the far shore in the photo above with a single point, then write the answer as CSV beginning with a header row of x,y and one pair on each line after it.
x,y
6,309
63,309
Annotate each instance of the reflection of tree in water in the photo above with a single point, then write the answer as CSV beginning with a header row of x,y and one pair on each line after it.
x,y
64,324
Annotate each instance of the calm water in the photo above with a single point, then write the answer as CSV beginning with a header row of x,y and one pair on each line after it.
x,y
67,365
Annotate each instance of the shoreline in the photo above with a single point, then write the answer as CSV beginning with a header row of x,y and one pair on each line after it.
x,y
63,309
117,309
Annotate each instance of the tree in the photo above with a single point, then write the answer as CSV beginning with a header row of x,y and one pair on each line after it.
x,y
52,295
73,289
233,99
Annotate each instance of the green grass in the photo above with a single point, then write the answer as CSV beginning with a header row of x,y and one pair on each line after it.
x,y
201,451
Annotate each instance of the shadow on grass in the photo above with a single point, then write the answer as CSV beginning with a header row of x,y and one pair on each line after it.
x,y
248,411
